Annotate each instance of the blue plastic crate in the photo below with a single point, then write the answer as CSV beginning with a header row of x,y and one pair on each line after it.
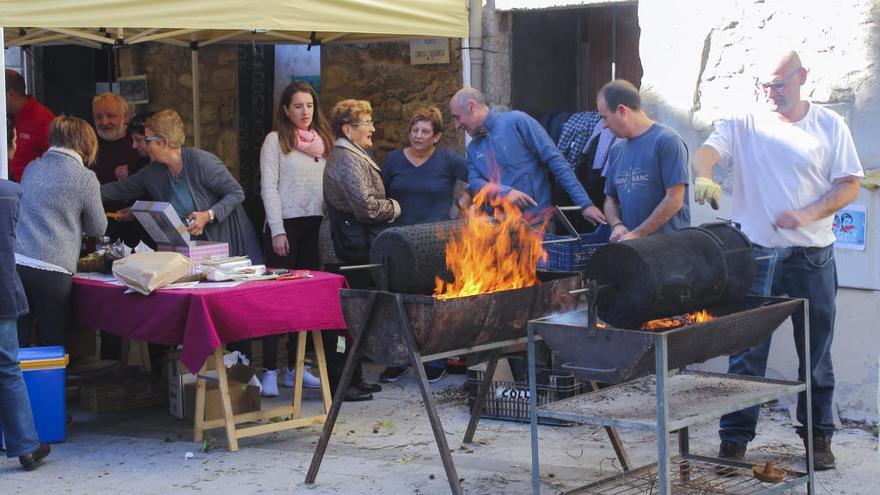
x,y
573,256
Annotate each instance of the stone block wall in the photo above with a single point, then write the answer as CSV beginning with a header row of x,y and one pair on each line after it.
x,y
381,74
169,78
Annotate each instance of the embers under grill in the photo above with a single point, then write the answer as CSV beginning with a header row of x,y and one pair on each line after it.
x,y
614,355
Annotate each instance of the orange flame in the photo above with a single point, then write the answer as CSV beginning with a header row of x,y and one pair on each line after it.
x,y
678,321
493,252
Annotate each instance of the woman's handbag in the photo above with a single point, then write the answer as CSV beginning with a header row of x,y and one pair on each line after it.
x,y
351,238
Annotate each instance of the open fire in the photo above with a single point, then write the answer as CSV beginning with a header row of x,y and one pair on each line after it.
x,y
678,321
497,250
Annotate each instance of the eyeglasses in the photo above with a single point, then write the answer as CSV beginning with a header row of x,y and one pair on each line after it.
x,y
150,139
366,123
777,85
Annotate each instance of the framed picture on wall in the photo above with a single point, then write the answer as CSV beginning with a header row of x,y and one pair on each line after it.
x,y
134,89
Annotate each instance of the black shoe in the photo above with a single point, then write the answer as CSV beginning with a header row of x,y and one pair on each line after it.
x,y
355,395
393,373
435,374
34,459
367,388
730,451
823,458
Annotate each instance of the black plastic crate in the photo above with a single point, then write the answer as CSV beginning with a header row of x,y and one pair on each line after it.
x,y
573,256
509,401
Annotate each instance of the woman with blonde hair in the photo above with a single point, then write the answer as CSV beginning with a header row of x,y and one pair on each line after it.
x,y
291,174
61,201
196,183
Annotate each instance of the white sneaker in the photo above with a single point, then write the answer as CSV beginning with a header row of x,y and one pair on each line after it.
x,y
309,380
269,383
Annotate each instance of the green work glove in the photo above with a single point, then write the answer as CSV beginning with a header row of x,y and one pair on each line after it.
x,y
706,189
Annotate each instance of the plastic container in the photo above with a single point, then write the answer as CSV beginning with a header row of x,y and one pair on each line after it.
x,y
44,370
573,256
509,401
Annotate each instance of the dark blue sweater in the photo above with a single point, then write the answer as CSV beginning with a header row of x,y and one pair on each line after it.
x,y
424,192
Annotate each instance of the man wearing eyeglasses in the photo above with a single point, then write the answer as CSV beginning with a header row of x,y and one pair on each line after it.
x,y
794,166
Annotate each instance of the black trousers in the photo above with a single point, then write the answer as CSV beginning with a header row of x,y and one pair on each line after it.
x,y
302,236
357,279
49,296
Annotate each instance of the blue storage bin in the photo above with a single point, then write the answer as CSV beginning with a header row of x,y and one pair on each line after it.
x,y
573,256
45,370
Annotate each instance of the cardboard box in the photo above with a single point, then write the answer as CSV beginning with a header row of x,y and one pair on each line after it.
x,y
180,380
162,223
244,398
199,250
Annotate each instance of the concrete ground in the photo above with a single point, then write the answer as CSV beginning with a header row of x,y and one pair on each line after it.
x,y
384,446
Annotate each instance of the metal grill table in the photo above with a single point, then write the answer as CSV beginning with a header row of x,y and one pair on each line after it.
x,y
691,475
667,402
693,397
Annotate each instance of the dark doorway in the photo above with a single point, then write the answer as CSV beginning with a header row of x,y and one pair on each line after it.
x,y
561,58
69,76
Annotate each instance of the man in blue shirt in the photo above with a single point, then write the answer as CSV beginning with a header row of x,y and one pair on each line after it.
x,y
647,178
512,150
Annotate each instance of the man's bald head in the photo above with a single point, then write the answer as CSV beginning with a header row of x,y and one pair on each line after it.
x,y
469,109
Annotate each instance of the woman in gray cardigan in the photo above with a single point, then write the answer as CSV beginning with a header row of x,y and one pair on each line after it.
x,y
195,182
60,202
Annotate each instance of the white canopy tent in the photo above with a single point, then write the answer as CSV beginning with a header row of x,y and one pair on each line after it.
x,y
198,23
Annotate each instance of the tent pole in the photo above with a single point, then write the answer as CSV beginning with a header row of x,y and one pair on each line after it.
x,y
4,161
475,43
197,119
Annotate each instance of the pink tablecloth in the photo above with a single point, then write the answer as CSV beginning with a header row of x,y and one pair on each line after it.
x,y
204,319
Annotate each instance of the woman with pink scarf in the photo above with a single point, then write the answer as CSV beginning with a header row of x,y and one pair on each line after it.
x,y
292,169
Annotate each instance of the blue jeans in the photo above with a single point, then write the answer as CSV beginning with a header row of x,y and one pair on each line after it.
x,y
16,419
808,273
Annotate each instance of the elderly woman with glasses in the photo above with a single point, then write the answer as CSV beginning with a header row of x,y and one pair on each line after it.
x,y
357,206
196,183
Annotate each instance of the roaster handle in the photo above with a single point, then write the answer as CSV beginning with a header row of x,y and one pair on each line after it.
x,y
595,371
558,211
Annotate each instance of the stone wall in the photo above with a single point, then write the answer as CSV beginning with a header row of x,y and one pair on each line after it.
x,y
381,74
169,78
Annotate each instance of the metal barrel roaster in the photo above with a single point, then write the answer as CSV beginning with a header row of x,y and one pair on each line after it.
x,y
668,274
412,256
441,325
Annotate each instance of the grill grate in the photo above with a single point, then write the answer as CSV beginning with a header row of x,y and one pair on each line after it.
x,y
689,475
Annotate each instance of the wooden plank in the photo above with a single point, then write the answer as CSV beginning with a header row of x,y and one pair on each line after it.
x,y
225,401
280,426
199,413
322,370
298,380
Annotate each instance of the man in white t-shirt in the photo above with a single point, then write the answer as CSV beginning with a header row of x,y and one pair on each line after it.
x,y
794,166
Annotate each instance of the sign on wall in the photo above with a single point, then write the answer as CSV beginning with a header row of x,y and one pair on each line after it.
x,y
431,51
849,227
134,89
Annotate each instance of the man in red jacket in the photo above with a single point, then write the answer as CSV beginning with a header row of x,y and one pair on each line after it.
x,y
31,120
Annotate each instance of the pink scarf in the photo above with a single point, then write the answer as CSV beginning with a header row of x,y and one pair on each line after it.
x,y
310,143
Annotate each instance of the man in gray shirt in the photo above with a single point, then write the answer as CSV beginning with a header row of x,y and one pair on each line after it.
x,y
647,179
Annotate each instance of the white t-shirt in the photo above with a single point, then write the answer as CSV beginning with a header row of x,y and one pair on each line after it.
x,y
780,165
